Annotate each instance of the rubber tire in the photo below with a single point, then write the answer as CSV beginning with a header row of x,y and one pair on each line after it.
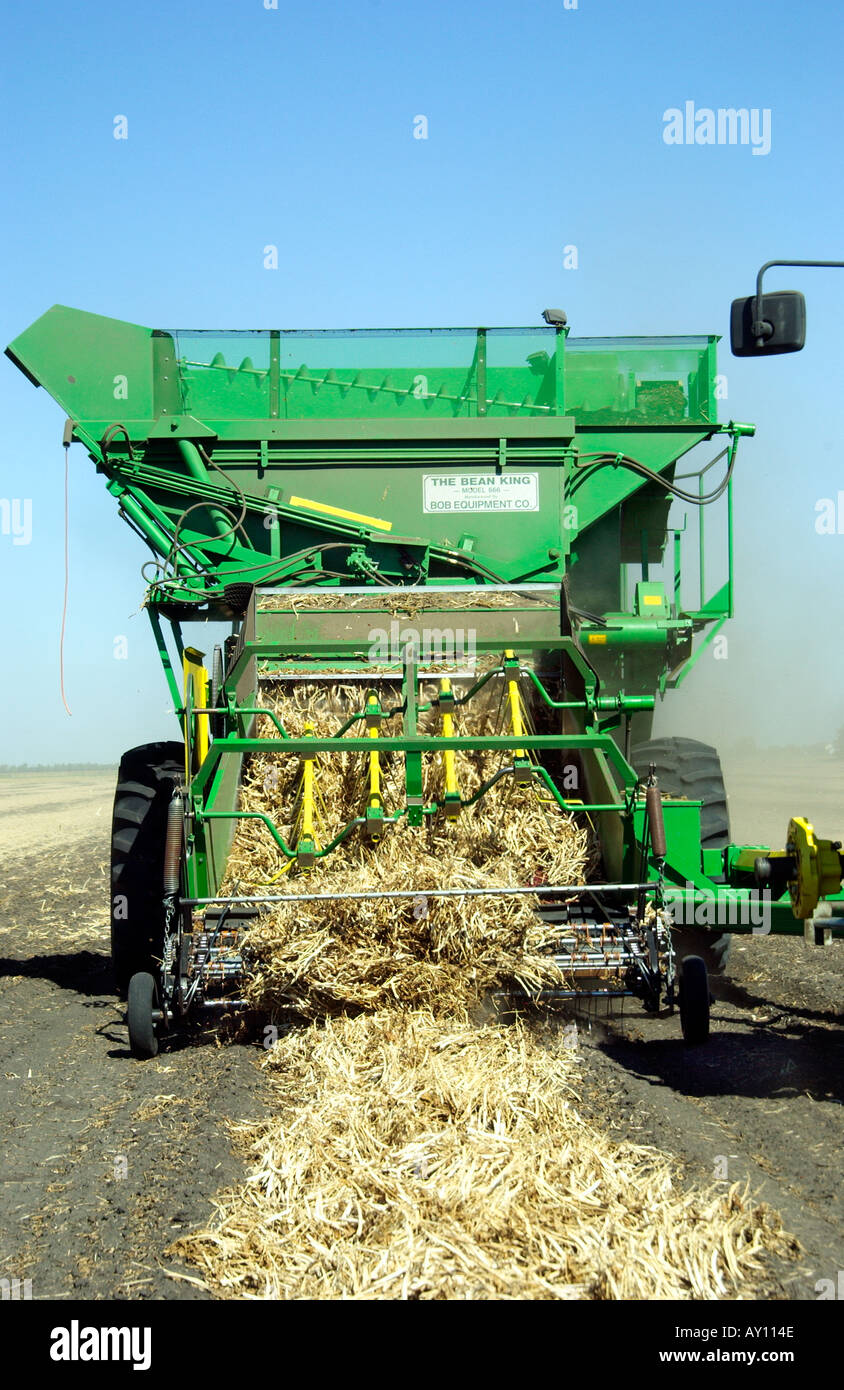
x,y
145,783
694,1001
143,998
687,768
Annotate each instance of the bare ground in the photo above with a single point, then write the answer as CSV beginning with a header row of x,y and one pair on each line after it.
x,y
106,1160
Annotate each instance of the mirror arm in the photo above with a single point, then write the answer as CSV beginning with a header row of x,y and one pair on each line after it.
x,y
761,328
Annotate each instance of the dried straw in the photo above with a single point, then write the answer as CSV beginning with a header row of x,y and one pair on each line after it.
x,y
415,1159
317,958
404,602
434,952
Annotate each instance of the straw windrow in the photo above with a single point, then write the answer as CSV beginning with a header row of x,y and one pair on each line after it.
x,y
412,1157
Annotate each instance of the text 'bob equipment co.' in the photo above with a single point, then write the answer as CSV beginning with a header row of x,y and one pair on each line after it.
x,y
480,492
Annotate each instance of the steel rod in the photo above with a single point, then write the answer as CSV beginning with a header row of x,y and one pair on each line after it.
x,y
571,888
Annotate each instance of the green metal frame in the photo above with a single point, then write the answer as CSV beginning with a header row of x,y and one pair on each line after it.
x,y
286,459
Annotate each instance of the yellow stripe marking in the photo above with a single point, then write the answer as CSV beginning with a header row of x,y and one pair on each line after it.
x,y
326,510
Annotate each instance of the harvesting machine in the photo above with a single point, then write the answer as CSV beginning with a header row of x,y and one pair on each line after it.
x,y
513,491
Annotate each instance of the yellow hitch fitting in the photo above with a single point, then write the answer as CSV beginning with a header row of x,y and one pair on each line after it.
x,y
817,867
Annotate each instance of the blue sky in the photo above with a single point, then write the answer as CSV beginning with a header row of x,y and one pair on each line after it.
x,y
293,126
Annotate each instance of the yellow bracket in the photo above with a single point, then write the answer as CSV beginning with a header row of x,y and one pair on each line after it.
x,y
196,699
374,772
449,757
307,841
308,797
515,701
373,820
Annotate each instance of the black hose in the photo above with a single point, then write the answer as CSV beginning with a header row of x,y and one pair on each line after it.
x,y
625,461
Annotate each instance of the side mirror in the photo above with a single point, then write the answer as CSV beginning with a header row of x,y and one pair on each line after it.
x,y
782,324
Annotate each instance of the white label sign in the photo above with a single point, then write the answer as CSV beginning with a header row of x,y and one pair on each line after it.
x,y
480,492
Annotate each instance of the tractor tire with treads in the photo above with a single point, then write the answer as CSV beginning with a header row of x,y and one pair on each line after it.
x,y
687,768
145,782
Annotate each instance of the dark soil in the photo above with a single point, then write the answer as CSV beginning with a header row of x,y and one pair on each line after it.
x,y
105,1160
760,1103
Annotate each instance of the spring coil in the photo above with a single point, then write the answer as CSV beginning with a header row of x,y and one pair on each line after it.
x,y
173,845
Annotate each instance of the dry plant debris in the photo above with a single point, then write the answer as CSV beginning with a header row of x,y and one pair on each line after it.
x,y
413,1157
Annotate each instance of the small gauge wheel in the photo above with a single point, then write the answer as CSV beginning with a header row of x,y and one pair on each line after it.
x,y
142,1015
694,1001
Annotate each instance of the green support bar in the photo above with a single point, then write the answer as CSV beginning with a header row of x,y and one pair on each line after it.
x,y
413,755
161,646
